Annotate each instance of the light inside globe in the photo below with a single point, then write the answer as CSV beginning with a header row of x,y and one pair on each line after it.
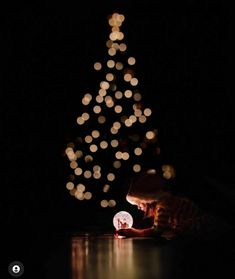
x,y
122,220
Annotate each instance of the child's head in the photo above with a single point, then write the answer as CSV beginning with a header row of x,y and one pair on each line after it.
x,y
145,189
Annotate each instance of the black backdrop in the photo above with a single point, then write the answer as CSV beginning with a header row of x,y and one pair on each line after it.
x,y
183,56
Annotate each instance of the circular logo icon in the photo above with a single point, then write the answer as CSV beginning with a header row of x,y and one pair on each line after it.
x,y
16,269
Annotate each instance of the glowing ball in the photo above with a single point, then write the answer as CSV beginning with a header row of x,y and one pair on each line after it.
x,y
122,220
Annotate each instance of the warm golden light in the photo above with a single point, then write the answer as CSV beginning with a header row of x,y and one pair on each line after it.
x,y
127,77
96,168
136,168
70,145
142,119
110,104
102,92
110,176
81,188
119,66
133,118
120,36
80,120
118,109
137,97
99,99
73,165
117,164
70,185
114,143
121,17
131,61
111,93
87,174
87,195
138,112
104,203
122,47
97,66
113,131
86,99
138,151
88,158
93,148
118,94
101,119
147,112
78,171
134,81
112,203
73,192
118,155
116,125
151,171
109,43
103,144
95,134
128,122
115,29
110,63
115,45
128,93
104,85
168,171
125,156
97,175
112,50
97,109
79,196
106,188
68,150
70,154
108,99
150,135
88,139
85,116
109,77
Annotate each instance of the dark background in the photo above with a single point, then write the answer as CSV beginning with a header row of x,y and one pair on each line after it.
x,y
183,66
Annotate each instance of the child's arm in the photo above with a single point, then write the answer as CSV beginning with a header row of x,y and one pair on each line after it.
x,y
132,232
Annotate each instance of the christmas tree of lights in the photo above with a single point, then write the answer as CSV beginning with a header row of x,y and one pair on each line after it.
x,y
115,137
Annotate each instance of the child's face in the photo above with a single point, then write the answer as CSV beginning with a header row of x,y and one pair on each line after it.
x,y
141,204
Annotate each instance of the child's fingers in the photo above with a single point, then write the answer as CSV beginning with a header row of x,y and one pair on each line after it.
x,y
121,232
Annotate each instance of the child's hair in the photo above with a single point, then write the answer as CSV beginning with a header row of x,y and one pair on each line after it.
x,y
146,185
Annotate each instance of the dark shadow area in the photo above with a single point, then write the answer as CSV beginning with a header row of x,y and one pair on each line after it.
x,y
183,66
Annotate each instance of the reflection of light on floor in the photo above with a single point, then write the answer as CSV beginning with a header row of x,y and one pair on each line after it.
x,y
105,257
78,258
123,257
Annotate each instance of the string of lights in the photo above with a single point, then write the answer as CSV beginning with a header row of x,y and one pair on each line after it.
x,y
115,133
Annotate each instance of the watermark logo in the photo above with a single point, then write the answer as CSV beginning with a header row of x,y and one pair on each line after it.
x,y
16,269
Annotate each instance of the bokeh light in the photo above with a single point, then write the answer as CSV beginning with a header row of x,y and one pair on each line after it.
x,y
70,185
97,66
111,136
78,171
131,61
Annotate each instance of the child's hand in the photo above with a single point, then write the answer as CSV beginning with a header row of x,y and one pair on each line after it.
x,y
128,232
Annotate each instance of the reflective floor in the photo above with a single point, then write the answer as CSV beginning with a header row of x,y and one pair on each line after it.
x,y
92,256
105,257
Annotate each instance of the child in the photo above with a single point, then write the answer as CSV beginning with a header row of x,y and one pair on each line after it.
x,y
173,215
